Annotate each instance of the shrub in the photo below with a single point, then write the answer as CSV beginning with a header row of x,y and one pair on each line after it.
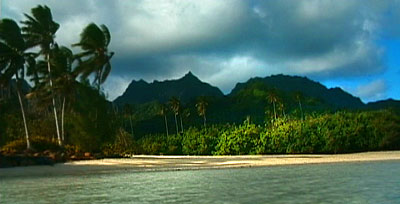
x,y
238,140
200,142
38,143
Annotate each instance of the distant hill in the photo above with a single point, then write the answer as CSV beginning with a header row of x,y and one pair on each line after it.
x,y
291,85
186,89
389,103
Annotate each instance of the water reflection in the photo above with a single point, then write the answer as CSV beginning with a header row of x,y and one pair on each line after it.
x,y
372,182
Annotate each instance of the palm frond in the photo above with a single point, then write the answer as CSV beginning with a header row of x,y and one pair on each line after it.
x,y
10,34
92,37
106,71
107,35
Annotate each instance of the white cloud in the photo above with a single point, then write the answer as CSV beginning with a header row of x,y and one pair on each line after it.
x,y
356,59
232,40
115,86
153,27
375,90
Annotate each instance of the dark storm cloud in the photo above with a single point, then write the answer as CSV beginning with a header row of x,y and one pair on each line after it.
x,y
228,41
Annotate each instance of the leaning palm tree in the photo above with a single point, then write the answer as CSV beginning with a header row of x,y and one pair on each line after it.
x,y
175,105
201,106
13,59
39,30
273,98
95,57
163,112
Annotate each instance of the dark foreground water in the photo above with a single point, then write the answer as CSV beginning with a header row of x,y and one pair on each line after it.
x,y
371,182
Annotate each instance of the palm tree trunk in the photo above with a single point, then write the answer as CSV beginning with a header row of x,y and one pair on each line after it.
x,y
2,91
176,124
9,91
62,119
98,80
130,120
54,101
28,144
274,110
204,120
301,111
180,116
166,124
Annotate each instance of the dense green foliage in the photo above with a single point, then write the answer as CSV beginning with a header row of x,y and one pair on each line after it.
x,y
341,132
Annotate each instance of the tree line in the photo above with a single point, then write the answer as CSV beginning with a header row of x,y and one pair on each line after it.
x,y
341,132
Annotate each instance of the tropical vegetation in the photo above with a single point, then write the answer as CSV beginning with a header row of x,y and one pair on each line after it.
x,y
64,109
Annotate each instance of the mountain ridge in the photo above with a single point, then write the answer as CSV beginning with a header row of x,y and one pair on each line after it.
x,y
185,88
335,96
189,87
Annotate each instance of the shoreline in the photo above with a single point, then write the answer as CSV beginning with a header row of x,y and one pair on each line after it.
x,y
150,163
155,161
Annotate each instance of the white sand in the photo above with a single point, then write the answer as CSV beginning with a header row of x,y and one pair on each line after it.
x,y
194,162
142,163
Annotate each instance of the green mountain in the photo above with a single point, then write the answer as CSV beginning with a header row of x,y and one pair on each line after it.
x,y
186,89
295,96
292,85
389,103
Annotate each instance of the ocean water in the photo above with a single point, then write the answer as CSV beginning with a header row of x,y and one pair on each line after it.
x,y
368,182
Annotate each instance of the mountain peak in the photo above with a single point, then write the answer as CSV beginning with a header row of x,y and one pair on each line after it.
x,y
186,88
190,75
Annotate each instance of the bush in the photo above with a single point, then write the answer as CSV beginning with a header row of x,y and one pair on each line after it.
x,y
122,145
160,144
200,142
238,140
38,144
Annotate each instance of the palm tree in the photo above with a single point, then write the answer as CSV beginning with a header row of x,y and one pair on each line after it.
x,y
186,114
13,59
95,57
64,82
282,107
175,105
163,112
201,106
273,98
39,30
129,111
64,78
299,97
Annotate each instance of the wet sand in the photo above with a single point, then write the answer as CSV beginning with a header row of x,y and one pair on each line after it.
x,y
142,163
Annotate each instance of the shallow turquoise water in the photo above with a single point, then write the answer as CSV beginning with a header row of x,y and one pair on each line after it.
x,y
371,182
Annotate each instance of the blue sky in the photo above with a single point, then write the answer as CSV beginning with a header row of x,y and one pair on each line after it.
x,y
386,84
352,44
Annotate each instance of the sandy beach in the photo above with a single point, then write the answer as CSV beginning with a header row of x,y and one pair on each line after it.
x,y
194,162
143,163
